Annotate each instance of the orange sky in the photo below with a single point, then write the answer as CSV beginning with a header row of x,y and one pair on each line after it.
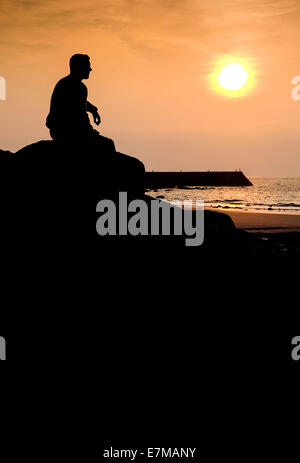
x,y
152,61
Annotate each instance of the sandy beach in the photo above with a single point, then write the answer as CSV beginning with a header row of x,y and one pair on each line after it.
x,y
276,235
259,222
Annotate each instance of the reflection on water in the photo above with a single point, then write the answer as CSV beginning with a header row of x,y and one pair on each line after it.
x,y
281,195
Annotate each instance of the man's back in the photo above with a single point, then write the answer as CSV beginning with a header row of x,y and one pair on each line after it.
x,y
68,110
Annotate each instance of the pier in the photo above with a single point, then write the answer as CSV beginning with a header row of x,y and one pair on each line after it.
x,y
185,179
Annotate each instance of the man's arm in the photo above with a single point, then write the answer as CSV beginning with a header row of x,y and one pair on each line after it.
x,y
94,111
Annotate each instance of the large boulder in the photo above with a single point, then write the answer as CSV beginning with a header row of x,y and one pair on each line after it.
x,y
5,156
102,167
50,190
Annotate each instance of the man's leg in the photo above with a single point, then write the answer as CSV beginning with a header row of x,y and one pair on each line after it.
x,y
101,145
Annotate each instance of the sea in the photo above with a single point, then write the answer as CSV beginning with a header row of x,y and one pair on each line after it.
x,y
268,195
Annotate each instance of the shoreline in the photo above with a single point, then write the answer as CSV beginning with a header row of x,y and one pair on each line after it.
x,y
262,222
254,210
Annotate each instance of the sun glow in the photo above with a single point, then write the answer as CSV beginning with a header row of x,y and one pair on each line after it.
x,y
232,77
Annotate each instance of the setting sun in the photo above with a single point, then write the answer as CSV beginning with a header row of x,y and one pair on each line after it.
x,y
233,77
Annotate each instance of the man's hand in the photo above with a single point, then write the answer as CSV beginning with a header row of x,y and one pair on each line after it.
x,y
97,118
94,111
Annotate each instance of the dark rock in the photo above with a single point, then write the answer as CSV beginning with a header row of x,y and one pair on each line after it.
x,y
218,222
51,189
5,156
111,170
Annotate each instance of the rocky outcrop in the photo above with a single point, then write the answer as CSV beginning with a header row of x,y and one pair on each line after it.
x,y
111,171
5,156
50,191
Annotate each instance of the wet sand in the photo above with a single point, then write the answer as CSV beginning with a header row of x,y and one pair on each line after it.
x,y
274,235
259,222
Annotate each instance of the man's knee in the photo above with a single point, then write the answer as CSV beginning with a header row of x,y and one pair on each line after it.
x,y
104,143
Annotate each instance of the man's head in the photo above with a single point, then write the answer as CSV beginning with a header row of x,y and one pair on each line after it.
x,y
80,66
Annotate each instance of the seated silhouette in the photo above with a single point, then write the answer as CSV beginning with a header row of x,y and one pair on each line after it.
x,y
70,128
68,118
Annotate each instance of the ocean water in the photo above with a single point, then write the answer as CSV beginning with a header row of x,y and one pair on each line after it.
x,y
272,195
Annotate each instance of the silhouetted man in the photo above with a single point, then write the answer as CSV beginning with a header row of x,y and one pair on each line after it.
x,y
70,127
68,119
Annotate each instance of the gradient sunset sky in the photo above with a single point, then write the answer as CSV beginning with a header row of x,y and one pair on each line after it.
x,y
153,62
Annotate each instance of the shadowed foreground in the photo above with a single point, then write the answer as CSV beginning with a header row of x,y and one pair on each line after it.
x,y
49,193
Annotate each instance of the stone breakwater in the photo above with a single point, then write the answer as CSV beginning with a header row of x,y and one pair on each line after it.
x,y
181,179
